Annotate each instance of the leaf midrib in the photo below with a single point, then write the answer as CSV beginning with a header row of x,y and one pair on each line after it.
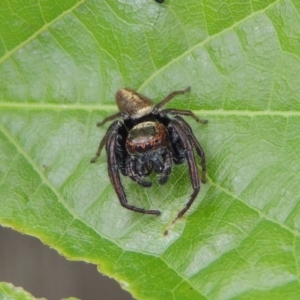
x,y
113,108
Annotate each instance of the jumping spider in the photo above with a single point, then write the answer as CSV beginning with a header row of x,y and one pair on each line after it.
x,y
149,140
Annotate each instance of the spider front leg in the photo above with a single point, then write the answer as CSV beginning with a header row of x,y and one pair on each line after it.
x,y
115,130
196,144
179,134
163,168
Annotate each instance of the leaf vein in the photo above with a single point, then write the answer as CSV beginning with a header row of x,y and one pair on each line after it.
x,y
38,32
201,44
261,214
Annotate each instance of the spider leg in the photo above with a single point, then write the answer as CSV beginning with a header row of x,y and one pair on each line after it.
x,y
113,168
196,144
164,168
173,111
187,148
102,143
170,97
109,118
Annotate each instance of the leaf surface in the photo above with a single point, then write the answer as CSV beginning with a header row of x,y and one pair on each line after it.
x,y
10,292
60,65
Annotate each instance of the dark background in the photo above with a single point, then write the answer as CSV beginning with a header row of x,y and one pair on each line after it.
x,y
26,262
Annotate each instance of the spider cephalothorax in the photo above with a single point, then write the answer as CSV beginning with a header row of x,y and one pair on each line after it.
x,y
149,141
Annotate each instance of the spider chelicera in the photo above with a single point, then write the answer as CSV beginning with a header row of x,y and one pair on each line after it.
x,y
149,140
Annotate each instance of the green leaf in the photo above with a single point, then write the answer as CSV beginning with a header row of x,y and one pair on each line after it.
x,y
10,292
60,66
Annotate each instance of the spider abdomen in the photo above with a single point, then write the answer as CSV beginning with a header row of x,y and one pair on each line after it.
x,y
147,136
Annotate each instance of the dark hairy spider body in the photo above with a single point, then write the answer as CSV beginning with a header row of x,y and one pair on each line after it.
x,y
149,141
